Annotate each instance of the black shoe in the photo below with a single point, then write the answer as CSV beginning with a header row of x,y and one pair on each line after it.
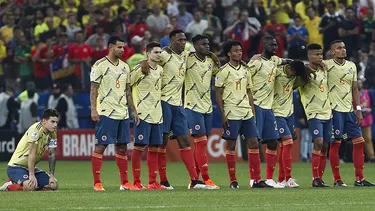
x,y
325,184
318,183
234,185
197,184
363,183
261,184
166,185
339,184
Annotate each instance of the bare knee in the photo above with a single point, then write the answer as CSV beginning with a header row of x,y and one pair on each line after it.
x,y
183,142
318,143
252,143
272,144
324,149
231,145
27,186
100,148
121,148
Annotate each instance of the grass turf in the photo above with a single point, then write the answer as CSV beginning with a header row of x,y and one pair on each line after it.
x,y
75,193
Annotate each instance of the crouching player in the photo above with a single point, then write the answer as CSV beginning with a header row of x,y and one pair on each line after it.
x,y
22,170
146,84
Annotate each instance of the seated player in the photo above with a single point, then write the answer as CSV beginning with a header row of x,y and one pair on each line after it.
x,y
22,170
146,84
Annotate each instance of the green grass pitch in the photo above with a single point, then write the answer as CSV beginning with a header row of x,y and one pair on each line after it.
x,y
75,193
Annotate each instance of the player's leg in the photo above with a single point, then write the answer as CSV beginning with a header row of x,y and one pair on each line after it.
x,y
327,139
141,139
316,130
355,134
43,181
338,122
121,149
249,133
18,177
105,133
162,149
152,156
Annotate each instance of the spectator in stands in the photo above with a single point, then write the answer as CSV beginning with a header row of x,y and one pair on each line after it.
x,y
368,28
165,41
123,21
156,22
99,51
85,15
297,38
42,27
257,10
301,8
183,17
23,58
99,32
138,45
362,65
138,28
72,28
55,94
50,14
101,20
213,21
24,95
3,55
172,7
28,113
42,58
349,32
7,30
173,21
197,26
140,8
9,107
366,70
9,67
67,109
341,7
366,104
282,8
279,29
312,26
329,25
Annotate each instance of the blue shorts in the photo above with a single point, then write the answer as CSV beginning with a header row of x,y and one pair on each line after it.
x,y
111,131
19,175
286,126
245,128
174,120
148,134
345,123
199,124
321,129
266,124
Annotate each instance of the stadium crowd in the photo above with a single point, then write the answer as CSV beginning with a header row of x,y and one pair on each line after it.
x,y
45,42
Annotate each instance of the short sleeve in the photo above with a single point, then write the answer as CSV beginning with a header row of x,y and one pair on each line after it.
x,y
135,75
33,135
96,74
221,77
254,66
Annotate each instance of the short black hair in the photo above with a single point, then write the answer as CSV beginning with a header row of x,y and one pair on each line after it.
x,y
121,9
331,3
151,46
198,37
268,38
314,46
334,42
50,112
297,65
174,32
229,44
113,40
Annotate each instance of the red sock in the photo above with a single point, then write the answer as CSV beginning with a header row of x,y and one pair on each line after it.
x,y
188,158
96,164
15,187
152,164
231,164
201,156
196,165
358,157
334,159
322,165
136,163
162,163
315,162
122,164
271,162
254,164
281,165
287,158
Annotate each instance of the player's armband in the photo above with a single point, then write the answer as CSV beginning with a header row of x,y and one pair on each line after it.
x,y
52,143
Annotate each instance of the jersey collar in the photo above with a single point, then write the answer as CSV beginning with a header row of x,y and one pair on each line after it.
x,y
334,60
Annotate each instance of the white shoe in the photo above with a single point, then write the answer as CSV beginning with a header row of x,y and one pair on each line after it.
x,y
251,183
199,185
4,187
291,183
272,183
284,183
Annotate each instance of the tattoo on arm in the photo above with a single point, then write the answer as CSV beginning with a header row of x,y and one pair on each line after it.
x,y
129,98
93,94
52,160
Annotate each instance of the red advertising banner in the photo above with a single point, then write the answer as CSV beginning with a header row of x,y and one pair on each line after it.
x,y
79,145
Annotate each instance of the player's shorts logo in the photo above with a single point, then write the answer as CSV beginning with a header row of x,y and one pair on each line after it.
x,y
337,132
197,127
25,176
316,132
281,130
227,132
140,137
104,138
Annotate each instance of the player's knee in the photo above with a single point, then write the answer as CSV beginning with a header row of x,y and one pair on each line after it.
x,y
183,142
165,139
100,148
324,149
272,144
230,145
318,143
253,143
121,148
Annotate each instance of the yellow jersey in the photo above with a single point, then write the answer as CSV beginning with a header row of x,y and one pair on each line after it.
x,y
283,96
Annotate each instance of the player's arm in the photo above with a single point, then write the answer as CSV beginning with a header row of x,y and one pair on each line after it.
x,y
137,74
52,162
93,96
129,98
355,93
219,90
250,94
33,137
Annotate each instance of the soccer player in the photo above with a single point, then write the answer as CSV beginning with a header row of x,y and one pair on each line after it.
x,y
198,106
314,98
146,84
263,73
282,107
234,98
22,170
343,92
110,97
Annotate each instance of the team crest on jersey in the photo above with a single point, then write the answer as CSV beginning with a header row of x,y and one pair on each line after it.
x,y
216,78
140,137
104,138
281,130
210,67
25,176
34,135
316,132
337,132
350,70
197,127
227,132
123,70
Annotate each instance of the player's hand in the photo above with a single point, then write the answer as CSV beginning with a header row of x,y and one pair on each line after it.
x,y
94,115
145,68
52,183
136,118
225,123
33,183
359,117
